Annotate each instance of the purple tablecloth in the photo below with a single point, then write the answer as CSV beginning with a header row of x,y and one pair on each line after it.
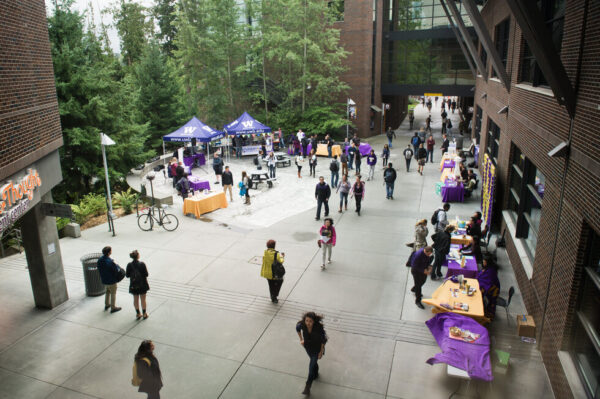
x,y
364,148
198,184
188,161
449,164
453,194
469,271
473,357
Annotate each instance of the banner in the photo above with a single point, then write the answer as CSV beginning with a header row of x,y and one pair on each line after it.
x,y
488,187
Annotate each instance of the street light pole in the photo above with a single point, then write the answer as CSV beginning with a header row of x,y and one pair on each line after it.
x,y
104,141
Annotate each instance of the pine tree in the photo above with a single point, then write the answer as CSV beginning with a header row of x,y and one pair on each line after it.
x,y
164,12
133,27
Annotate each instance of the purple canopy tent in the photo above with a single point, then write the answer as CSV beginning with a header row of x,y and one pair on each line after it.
x,y
194,129
246,124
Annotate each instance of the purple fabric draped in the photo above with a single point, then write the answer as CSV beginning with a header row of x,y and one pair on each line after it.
x,y
453,194
449,164
490,288
473,357
469,271
364,148
198,184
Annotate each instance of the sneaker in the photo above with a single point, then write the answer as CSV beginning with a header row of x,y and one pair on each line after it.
x,y
419,304
114,310
329,262
106,307
323,266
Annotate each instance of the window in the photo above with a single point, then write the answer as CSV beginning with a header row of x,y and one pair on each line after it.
x,y
484,60
501,37
554,14
337,9
527,186
478,118
493,141
586,327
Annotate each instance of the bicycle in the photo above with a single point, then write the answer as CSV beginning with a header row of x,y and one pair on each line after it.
x,y
168,221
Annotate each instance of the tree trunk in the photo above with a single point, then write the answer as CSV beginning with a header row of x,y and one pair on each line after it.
x,y
304,64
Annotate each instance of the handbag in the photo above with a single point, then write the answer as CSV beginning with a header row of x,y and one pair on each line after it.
x,y
277,269
136,381
120,274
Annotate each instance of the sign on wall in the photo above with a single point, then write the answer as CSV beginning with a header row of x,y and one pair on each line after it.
x,y
16,197
488,187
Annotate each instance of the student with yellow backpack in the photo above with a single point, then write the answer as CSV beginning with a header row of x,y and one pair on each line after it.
x,y
146,371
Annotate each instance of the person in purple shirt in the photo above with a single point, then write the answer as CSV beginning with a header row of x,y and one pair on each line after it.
x,y
371,161
419,268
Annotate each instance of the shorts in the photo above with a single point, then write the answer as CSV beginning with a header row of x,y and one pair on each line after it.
x,y
422,161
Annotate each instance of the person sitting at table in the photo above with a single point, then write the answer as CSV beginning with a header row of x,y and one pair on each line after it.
x,y
463,172
179,171
474,230
470,183
441,246
420,268
183,186
489,284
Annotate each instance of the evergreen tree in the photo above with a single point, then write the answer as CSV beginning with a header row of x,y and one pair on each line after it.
x,y
164,12
133,28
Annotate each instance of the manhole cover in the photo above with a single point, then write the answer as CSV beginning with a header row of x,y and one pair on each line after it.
x,y
304,236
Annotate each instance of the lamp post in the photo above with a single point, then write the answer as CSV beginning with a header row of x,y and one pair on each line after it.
x,y
104,141
150,176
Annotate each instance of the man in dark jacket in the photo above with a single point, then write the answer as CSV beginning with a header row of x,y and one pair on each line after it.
x,y
228,182
322,194
179,171
183,186
389,176
109,272
441,247
419,268
445,144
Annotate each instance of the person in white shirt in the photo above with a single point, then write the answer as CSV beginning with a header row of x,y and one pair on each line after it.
x,y
299,164
300,135
442,217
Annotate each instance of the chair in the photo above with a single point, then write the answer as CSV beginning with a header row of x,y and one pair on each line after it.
x,y
486,240
506,303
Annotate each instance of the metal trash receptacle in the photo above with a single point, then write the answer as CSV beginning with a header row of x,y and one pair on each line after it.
x,y
91,275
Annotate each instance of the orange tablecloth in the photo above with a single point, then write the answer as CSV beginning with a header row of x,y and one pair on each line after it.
x,y
461,239
204,204
444,295
335,150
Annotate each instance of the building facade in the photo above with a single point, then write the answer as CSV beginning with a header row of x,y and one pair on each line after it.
x,y
547,155
30,137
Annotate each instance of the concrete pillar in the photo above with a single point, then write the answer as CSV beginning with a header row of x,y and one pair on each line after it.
x,y
42,249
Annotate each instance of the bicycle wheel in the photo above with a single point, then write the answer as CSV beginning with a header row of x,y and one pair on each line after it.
x,y
145,222
170,222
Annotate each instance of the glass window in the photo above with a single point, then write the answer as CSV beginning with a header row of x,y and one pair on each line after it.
x,y
478,120
516,180
554,14
501,37
586,338
484,59
493,141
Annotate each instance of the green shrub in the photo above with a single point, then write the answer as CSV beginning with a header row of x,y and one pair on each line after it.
x,y
125,200
62,222
90,205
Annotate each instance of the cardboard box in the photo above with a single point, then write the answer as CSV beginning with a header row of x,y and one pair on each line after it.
x,y
525,326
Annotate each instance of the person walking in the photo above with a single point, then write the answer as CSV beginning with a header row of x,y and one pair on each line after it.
x,y
322,194
334,167
358,192
329,142
420,268
415,141
408,154
385,154
453,105
444,115
428,123
421,158
299,163
313,338
449,127
344,161
344,189
312,162
146,370
110,275
272,164
429,105
217,165
351,152
357,160
411,119
390,135
245,187
421,233
371,161
440,217
445,144
327,240
138,283
430,144
441,247
389,177
267,270
228,182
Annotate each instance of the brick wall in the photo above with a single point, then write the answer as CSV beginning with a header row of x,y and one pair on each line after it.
x,y
536,123
29,120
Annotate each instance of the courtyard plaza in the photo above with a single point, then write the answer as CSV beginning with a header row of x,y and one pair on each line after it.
x,y
216,332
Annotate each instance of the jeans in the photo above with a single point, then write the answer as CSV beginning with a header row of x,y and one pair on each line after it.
x,y
371,172
408,164
343,199
111,294
313,367
438,259
319,203
272,171
357,167
385,161
350,161
335,178
389,189
329,151
326,248
390,142
358,200
416,149
274,287
154,395
238,152
429,156
313,168
419,279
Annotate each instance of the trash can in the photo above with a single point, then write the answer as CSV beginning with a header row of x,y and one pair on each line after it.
x,y
91,275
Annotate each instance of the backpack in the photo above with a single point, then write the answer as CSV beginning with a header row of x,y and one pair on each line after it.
x,y
334,166
415,140
408,153
434,217
449,124
136,380
277,268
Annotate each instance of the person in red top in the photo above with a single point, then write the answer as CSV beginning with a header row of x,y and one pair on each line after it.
x,y
430,143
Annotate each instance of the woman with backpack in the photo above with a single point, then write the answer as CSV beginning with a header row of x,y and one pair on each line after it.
x,y
267,269
358,192
245,187
313,338
138,283
385,155
327,240
146,371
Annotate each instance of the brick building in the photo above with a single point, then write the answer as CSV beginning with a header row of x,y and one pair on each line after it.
x,y
548,204
30,136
